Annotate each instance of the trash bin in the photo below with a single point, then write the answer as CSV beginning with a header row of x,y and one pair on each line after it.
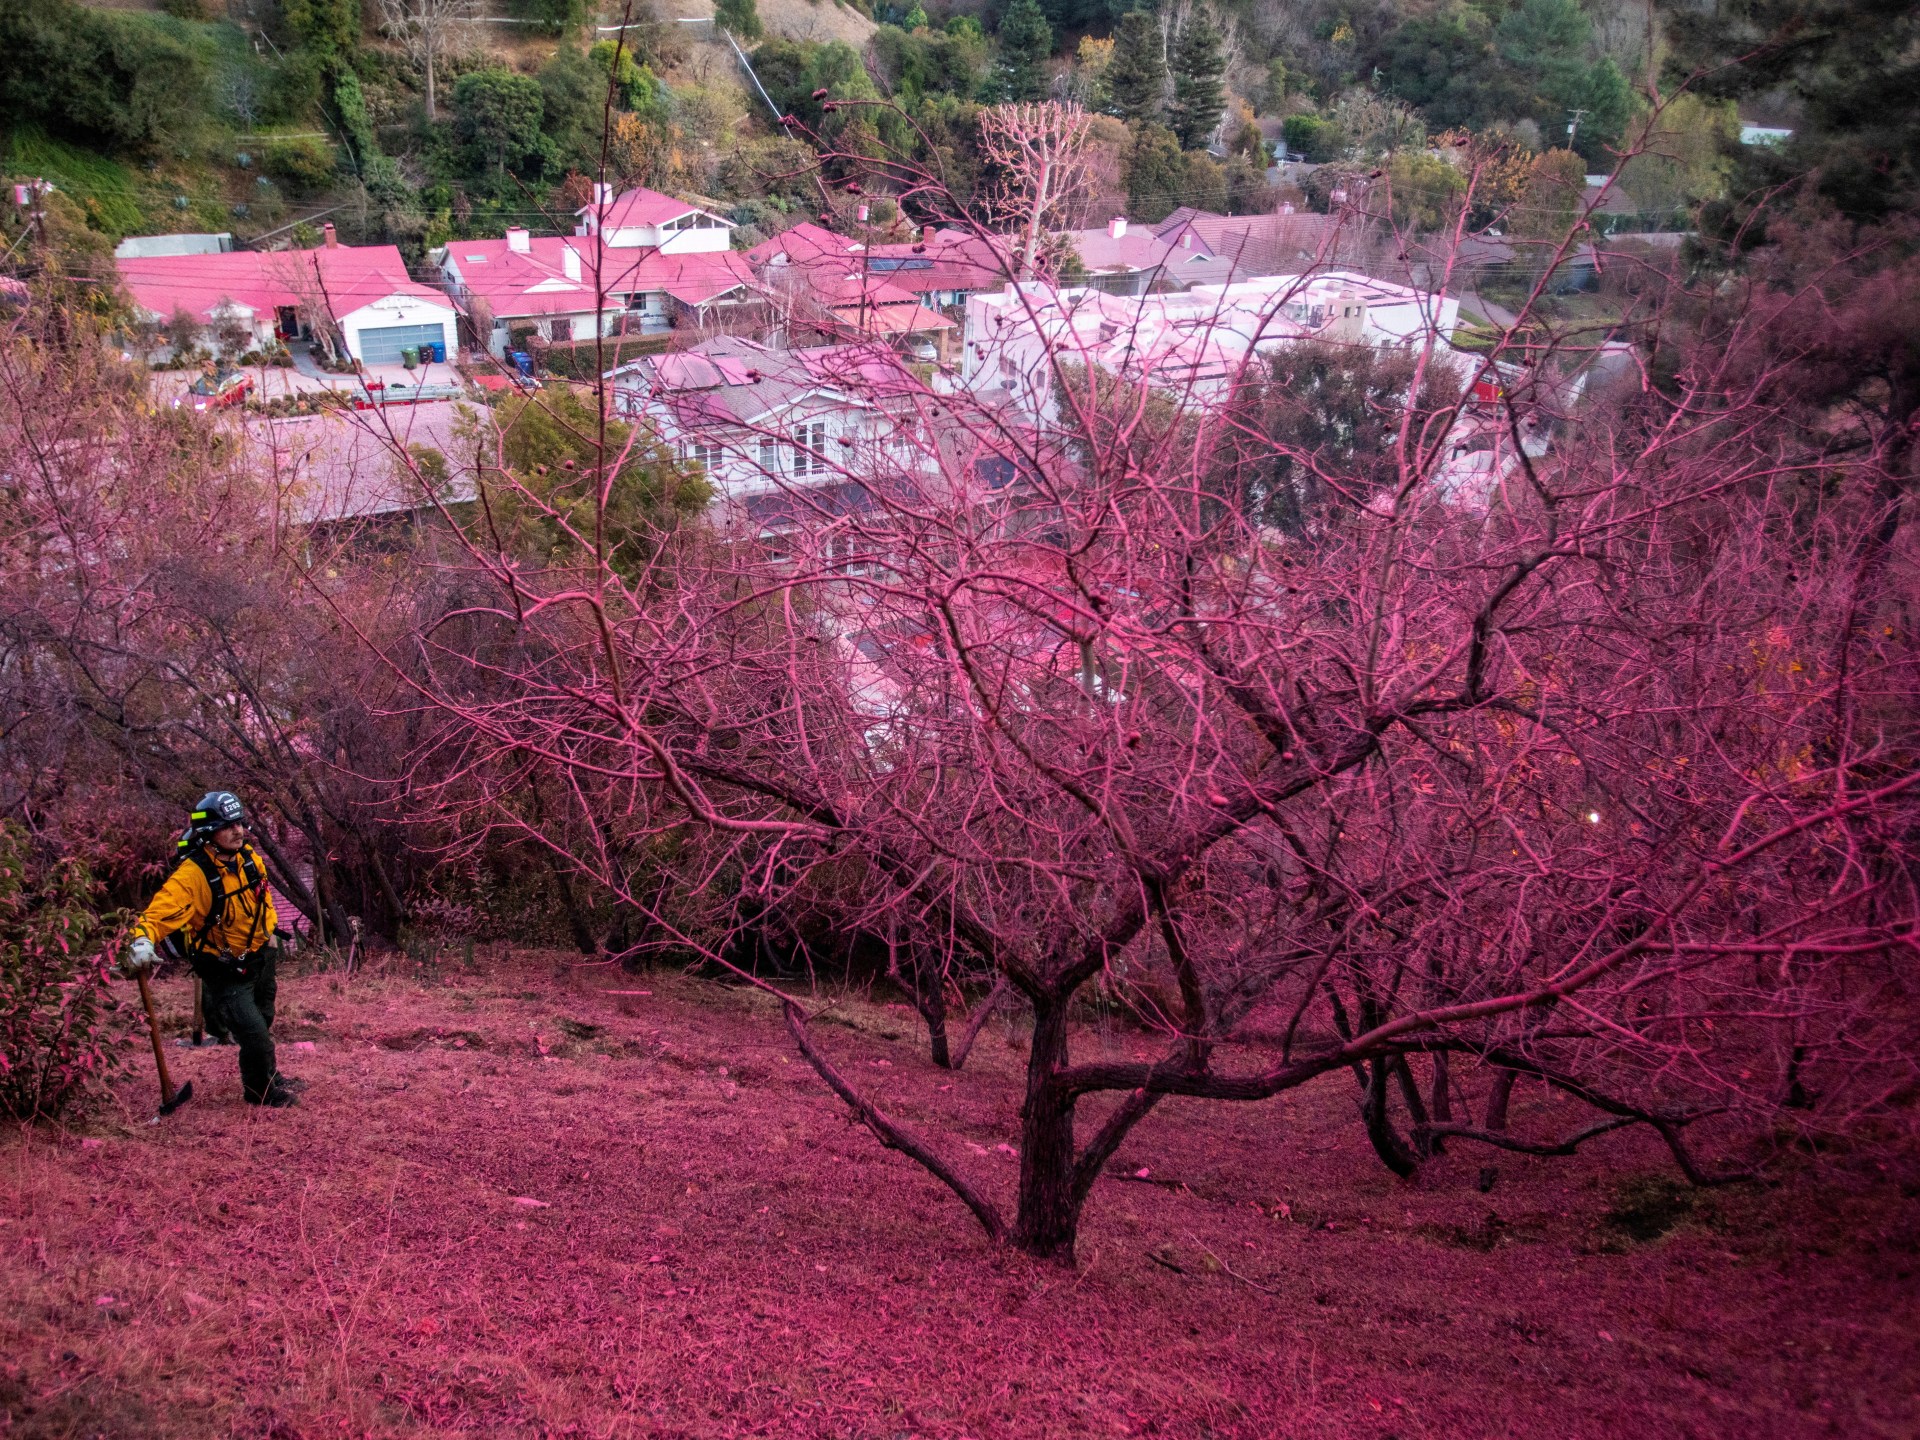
x,y
439,352
523,362
410,357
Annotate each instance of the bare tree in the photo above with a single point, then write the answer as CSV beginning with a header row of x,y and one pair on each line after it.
x,y
1041,168
1586,764
429,30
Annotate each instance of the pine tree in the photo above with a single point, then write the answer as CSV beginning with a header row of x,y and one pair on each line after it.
x,y
1198,66
1137,74
742,17
1026,43
1156,174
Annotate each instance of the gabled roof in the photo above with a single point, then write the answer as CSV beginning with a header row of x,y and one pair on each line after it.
x,y
949,260
1099,251
535,282
340,279
1244,245
732,381
803,244
894,318
640,207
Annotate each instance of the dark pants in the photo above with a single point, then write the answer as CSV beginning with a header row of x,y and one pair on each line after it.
x,y
244,1009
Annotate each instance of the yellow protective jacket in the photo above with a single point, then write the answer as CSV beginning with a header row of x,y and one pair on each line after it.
x,y
185,901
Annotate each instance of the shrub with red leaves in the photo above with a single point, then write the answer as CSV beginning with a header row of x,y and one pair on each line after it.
x,y
60,1022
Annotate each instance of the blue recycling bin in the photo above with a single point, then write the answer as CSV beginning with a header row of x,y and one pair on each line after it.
x,y
439,348
523,362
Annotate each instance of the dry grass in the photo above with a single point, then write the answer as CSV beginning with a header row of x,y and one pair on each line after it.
x,y
662,1226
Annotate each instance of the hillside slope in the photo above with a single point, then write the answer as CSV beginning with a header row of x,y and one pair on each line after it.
x,y
523,1203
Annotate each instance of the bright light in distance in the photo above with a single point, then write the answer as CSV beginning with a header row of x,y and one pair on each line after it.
x,y
1593,817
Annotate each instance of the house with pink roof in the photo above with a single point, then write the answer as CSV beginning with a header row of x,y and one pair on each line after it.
x,y
357,300
640,263
760,419
939,270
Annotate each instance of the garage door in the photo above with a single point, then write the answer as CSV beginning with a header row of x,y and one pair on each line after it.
x,y
382,346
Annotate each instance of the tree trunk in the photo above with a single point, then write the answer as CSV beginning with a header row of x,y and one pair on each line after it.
x,y
431,114
1440,1105
1048,1214
1387,1144
929,987
977,1021
396,907
1498,1097
584,939
933,1009
325,891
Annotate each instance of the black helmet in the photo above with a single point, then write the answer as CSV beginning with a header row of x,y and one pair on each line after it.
x,y
217,810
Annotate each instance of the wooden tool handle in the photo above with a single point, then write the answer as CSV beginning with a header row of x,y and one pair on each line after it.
x,y
153,1029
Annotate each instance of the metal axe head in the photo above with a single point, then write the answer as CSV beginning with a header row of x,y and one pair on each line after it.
x,y
180,1097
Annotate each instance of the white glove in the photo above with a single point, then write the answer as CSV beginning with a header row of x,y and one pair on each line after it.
x,y
139,957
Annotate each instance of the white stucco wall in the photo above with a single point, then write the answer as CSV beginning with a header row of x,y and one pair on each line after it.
x,y
399,310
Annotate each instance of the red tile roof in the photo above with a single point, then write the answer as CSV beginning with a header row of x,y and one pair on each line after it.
x,y
951,260
535,282
341,279
639,207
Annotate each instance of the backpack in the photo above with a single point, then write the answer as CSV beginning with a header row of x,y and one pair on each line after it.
x,y
208,964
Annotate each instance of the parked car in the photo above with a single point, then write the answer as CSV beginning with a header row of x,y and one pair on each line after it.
x,y
218,390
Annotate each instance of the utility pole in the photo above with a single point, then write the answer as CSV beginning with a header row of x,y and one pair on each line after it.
x,y
1574,117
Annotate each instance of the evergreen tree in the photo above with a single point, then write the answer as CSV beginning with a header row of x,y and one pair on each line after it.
x,y
1198,66
1137,74
1156,174
1026,42
742,17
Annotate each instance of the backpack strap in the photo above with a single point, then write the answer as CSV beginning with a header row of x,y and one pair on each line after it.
x,y
218,885
254,878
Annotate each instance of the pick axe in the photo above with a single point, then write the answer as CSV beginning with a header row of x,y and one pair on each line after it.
x,y
170,1099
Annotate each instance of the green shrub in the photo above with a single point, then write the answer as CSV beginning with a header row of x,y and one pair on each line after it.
x,y
556,17
61,1026
742,17
304,163
1316,139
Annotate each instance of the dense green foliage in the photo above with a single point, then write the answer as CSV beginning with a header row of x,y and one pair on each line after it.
x,y
741,17
553,443
131,82
1026,40
1471,67
1137,75
497,114
1854,65
150,122
1198,66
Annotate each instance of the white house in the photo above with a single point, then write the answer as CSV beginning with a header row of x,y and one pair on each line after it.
x,y
1197,343
357,299
639,264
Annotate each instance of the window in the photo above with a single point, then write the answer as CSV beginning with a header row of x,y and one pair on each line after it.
x,y
810,443
769,455
705,454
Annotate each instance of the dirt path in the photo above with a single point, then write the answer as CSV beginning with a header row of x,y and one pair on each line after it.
x,y
514,1206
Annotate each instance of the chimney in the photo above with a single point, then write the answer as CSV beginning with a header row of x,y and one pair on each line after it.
x,y
570,262
926,234
1286,207
602,193
1117,228
330,236
518,240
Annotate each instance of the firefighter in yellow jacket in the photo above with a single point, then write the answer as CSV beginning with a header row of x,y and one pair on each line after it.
x,y
216,912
